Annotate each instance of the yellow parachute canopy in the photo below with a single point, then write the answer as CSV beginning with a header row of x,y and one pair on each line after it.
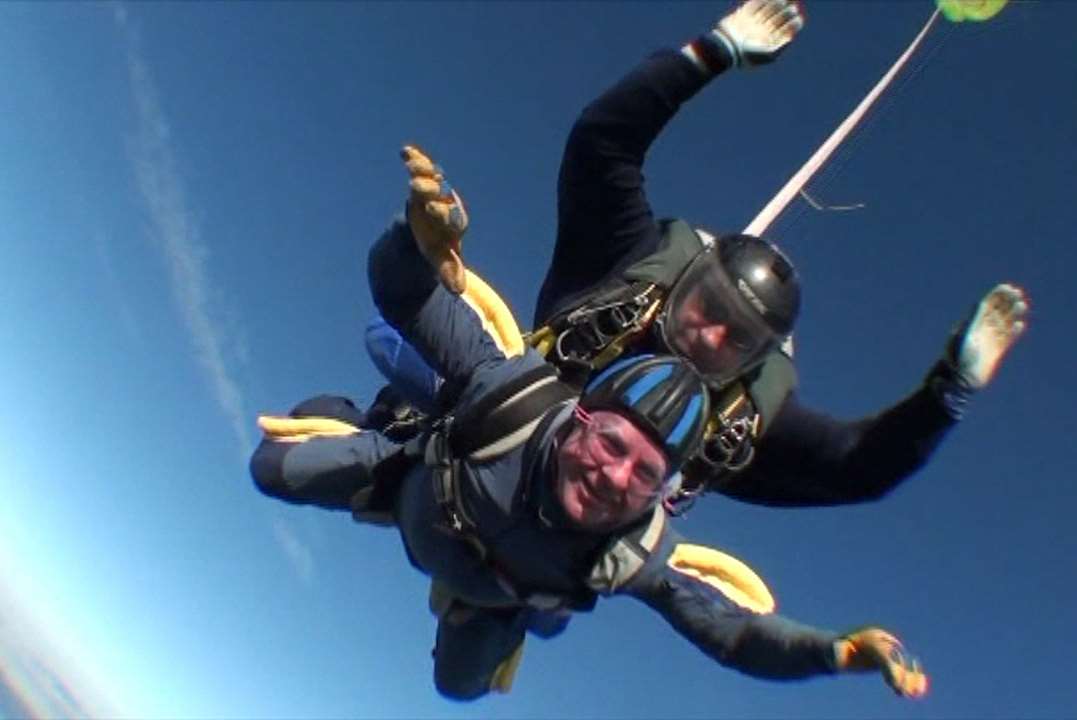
x,y
975,10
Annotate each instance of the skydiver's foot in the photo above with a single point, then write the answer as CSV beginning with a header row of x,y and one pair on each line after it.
x,y
393,416
330,406
437,218
996,324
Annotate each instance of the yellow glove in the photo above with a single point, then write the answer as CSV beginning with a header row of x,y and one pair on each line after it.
x,y
437,218
873,648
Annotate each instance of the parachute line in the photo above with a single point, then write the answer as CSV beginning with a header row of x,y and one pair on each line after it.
x,y
829,208
797,182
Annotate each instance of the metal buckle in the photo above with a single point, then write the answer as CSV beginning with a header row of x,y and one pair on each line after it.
x,y
437,457
731,448
680,502
597,327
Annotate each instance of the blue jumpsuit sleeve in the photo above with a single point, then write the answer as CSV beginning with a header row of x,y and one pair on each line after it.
x,y
762,645
810,458
604,220
443,329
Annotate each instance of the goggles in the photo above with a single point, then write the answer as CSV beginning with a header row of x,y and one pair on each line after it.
x,y
708,321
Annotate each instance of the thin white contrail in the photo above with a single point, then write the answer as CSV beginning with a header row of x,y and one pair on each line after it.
x,y
176,232
297,552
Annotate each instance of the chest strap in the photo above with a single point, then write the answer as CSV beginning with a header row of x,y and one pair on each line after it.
x,y
500,422
505,418
595,334
627,555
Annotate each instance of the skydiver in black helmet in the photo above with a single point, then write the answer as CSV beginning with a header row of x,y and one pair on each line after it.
x,y
622,283
729,302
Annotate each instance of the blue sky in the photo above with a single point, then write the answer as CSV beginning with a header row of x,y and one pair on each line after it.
x,y
187,194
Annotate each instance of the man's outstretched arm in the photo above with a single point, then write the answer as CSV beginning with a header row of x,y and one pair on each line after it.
x,y
810,458
604,218
724,609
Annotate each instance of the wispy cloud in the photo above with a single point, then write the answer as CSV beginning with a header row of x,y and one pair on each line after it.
x,y
214,329
296,551
176,231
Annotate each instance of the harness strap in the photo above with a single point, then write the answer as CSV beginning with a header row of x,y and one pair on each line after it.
x,y
632,330
500,422
374,503
506,417
445,473
627,556
597,330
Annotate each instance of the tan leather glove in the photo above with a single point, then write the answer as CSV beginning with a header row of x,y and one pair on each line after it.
x,y
871,648
437,218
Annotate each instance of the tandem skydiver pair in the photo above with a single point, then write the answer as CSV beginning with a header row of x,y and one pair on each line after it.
x,y
679,360
560,505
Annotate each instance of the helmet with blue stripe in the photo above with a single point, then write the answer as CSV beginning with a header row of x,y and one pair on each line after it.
x,y
662,395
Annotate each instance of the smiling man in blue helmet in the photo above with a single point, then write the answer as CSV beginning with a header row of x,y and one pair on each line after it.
x,y
528,500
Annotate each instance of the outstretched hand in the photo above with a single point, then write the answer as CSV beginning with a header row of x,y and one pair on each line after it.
x,y
757,30
988,334
437,218
872,648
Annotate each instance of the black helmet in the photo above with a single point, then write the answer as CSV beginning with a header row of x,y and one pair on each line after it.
x,y
742,283
662,395
767,275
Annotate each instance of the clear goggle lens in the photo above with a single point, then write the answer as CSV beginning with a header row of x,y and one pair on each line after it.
x,y
707,321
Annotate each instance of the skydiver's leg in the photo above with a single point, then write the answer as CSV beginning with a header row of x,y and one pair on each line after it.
x,y
547,623
401,365
311,467
477,650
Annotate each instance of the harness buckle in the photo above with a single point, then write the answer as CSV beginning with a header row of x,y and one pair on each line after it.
x,y
731,448
591,330
438,457
728,450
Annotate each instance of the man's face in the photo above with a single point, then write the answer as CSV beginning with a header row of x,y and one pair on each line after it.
x,y
711,333
609,472
699,336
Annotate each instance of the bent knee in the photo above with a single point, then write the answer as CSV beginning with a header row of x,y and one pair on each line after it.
x,y
456,686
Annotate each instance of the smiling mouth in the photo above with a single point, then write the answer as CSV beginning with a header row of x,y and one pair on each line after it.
x,y
593,496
